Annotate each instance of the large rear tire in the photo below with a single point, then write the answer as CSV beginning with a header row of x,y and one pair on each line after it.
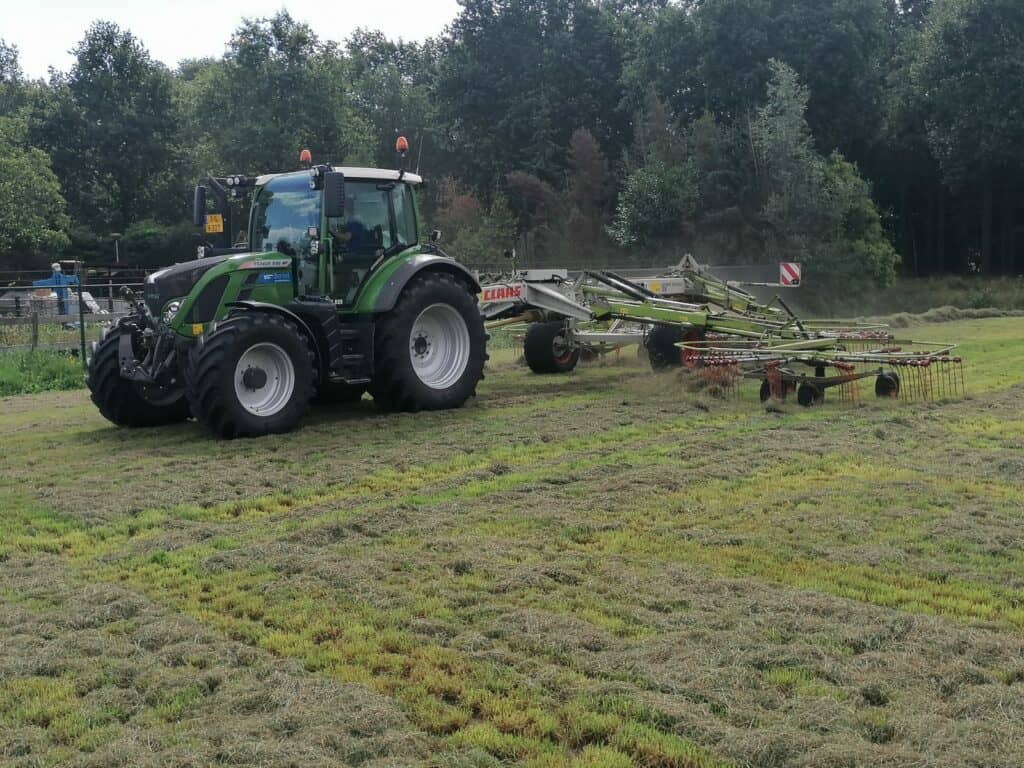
x,y
429,351
547,350
251,376
122,401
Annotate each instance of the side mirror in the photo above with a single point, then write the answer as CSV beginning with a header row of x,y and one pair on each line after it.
x,y
199,206
334,194
435,236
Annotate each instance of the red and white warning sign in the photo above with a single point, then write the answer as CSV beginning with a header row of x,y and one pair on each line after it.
x,y
789,273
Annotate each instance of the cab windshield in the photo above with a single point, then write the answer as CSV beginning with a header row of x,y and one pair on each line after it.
x,y
283,212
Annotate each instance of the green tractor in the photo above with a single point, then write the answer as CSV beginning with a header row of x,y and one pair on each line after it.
x,y
326,293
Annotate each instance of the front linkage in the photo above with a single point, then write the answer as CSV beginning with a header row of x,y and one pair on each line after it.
x,y
135,375
158,371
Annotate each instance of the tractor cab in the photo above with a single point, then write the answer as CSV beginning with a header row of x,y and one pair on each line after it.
x,y
336,223
336,239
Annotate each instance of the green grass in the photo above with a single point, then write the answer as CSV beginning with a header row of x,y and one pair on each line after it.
x,y
602,569
28,372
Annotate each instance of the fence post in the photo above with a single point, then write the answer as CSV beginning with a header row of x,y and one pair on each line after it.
x,y
81,311
35,330
17,305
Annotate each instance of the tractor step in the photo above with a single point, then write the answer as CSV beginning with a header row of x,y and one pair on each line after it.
x,y
346,347
351,354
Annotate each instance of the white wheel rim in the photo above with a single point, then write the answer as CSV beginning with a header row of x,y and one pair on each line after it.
x,y
264,379
439,346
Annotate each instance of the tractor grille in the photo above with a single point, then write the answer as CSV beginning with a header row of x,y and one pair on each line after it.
x,y
205,307
176,282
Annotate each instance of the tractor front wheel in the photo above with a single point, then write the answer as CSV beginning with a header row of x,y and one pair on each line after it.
x,y
548,349
252,375
429,351
122,401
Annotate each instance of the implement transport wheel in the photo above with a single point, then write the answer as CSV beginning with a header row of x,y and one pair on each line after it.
x,y
429,351
887,385
252,375
661,347
128,403
809,394
547,348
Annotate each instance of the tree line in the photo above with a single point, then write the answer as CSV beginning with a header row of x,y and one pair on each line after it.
x,y
862,137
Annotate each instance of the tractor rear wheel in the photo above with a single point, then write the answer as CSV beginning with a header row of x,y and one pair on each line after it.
x,y
122,401
252,375
547,348
429,351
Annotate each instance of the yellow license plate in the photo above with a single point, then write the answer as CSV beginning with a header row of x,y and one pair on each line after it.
x,y
214,223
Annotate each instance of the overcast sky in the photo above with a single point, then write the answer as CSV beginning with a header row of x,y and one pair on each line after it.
x,y
45,30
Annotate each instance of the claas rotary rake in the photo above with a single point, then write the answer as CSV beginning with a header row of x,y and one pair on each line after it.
x,y
726,335
902,369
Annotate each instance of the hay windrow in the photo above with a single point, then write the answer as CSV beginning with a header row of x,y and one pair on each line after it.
x,y
601,570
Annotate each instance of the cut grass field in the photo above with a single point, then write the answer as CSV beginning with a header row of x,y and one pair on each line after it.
x,y
602,569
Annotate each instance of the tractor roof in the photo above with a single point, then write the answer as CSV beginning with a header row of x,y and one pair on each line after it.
x,y
355,174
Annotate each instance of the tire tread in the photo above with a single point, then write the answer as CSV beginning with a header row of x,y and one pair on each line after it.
x,y
394,386
117,399
207,360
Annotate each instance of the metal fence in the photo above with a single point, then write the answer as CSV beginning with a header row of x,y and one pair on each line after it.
x,y
62,311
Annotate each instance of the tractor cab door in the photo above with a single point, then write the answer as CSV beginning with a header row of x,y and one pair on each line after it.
x,y
285,216
379,219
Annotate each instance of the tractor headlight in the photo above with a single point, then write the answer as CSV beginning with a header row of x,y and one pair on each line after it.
x,y
171,311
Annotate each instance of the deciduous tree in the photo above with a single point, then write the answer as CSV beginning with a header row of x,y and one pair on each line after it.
x,y
519,76
109,125
970,72
33,215
278,89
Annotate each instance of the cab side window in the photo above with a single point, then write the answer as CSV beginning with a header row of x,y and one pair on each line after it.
x,y
359,237
366,227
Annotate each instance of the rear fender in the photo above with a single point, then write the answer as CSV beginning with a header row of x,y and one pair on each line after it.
x,y
388,292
